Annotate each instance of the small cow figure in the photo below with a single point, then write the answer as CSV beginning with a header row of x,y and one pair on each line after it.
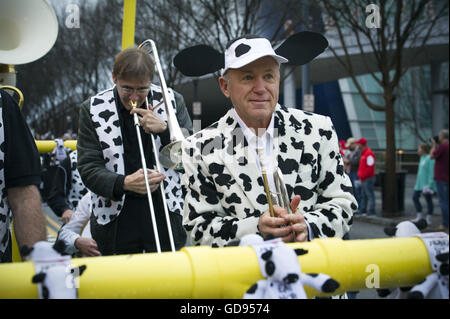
x,y
54,273
280,266
435,285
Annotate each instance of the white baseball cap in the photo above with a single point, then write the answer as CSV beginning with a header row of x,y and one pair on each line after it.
x,y
245,51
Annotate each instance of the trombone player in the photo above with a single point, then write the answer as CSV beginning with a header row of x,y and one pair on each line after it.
x,y
224,164
109,160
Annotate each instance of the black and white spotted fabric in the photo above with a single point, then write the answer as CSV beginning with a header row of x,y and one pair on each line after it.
x,y
77,190
224,188
106,122
5,211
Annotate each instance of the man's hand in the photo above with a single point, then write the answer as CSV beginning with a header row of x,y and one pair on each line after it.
x,y
136,181
87,246
149,121
284,225
66,216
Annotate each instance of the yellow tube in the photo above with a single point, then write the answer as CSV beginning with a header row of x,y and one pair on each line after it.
x,y
128,23
204,272
48,146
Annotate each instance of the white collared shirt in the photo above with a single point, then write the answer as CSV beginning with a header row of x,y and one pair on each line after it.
x,y
265,142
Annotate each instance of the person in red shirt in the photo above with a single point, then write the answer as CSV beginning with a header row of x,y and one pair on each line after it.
x,y
440,154
342,148
366,174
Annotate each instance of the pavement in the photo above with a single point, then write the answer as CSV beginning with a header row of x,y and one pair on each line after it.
x,y
408,213
371,227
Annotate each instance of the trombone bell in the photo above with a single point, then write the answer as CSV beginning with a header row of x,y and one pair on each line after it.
x,y
170,156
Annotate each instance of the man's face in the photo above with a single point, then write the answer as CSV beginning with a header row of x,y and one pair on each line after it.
x,y
352,146
134,90
253,90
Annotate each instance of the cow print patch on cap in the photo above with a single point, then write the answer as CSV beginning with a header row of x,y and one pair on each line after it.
x,y
241,49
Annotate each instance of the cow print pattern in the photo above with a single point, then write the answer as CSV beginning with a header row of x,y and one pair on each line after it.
x,y
225,196
106,123
5,211
77,189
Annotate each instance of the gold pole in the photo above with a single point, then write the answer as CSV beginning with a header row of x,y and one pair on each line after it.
x,y
128,25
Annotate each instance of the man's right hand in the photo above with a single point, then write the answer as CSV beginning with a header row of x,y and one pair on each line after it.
x,y
287,226
87,246
136,181
277,225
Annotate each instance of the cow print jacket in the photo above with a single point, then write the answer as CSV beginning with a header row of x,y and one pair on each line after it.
x,y
100,152
224,187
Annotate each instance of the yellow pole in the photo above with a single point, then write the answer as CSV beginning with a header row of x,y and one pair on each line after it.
x,y
15,247
48,146
204,272
129,18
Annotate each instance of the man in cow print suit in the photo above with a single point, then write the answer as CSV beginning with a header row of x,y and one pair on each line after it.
x,y
225,197
19,181
110,165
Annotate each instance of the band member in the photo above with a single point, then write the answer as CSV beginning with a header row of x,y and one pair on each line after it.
x,y
109,160
19,181
76,233
225,192
67,188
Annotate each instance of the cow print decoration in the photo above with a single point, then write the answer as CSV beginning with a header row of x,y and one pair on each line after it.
x,y
77,190
105,118
106,122
279,265
241,49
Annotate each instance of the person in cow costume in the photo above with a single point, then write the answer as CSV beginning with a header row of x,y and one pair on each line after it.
x,y
109,160
225,193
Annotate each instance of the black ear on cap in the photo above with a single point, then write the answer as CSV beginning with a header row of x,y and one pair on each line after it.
x,y
302,47
199,60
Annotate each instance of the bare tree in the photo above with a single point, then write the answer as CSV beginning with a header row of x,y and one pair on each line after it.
x,y
177,24
78,65
414,103
80,62
403,24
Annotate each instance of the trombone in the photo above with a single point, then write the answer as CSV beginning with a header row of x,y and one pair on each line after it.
x,y
176,136
170,155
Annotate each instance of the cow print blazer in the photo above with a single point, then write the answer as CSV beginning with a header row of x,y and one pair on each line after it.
x,y
224,187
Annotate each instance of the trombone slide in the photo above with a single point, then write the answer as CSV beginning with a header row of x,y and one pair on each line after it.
x,y
147,186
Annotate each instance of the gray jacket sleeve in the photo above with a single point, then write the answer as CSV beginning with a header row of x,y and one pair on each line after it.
x,y
183,115
91,163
